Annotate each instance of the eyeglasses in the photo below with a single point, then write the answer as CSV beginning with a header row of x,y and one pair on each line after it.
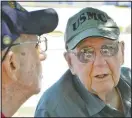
x,y
88,54
41,45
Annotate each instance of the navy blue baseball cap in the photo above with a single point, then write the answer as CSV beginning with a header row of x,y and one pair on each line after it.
x,y
16,20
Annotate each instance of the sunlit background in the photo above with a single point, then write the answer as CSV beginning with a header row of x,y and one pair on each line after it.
x,y
55,65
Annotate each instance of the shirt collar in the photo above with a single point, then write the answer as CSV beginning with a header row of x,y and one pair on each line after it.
x,y
94,104
125,91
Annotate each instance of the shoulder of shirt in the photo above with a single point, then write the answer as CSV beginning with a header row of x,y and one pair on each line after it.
x,y
53,95
126,75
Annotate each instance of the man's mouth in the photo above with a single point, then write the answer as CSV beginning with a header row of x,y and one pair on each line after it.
x,y
101,76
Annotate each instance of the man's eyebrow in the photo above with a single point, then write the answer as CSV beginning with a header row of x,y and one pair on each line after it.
x,y
80,46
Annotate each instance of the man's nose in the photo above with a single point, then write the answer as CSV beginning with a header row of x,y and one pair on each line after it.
x,y
42,56
99,60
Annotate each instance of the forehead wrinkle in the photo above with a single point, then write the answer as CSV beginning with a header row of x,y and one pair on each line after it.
x,y
93,41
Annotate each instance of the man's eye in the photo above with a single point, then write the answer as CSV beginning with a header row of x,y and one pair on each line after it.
x,y
108,50
105,51
88,54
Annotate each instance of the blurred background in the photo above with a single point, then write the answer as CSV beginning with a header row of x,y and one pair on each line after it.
x,y
55,65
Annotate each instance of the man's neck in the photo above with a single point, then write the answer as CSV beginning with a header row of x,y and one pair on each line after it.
x,y
13,97
112,98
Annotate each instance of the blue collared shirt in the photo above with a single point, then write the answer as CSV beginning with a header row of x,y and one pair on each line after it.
x,y
69,98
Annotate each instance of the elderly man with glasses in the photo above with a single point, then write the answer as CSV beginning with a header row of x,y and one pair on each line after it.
x,y
95,85
23,48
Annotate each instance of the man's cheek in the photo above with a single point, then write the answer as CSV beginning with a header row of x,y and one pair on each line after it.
x,y
87,76
114,66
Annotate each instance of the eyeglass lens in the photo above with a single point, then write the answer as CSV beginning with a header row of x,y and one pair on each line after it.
x,y
88,54
42,45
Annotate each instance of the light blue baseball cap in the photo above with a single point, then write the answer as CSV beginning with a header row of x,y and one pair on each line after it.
x,y
89,22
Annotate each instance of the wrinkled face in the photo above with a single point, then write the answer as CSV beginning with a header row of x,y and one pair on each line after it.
x,y
100,73
30,71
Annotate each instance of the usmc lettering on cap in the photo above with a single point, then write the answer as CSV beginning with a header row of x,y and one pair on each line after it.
x,y
89,16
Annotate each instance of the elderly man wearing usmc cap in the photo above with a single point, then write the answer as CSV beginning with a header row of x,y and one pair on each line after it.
x,y
95,85
22,51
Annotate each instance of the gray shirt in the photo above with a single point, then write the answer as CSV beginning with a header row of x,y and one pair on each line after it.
x,y
68,98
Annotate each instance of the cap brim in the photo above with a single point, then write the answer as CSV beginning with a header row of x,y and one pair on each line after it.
x,y
41,21
92,32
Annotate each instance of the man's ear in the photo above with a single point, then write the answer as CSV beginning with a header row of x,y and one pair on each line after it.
x,y
11,65
122,48
68,59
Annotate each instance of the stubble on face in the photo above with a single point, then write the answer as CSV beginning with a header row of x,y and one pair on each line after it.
x,y
30,66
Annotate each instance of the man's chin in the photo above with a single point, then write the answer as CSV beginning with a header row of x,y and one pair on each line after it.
x,y
38,87
103,91
37,91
